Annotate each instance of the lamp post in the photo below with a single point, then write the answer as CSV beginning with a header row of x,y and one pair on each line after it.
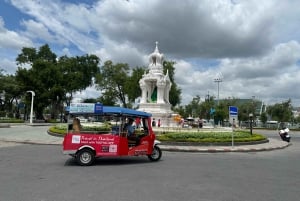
x,y
251,120
31,110
67,110
218,79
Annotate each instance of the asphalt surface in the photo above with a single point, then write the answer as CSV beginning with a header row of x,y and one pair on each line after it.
x,y
37,134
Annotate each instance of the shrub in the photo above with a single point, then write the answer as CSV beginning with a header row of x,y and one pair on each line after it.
x,y
58,129
10,120
204,137
51,121
240,136
62,128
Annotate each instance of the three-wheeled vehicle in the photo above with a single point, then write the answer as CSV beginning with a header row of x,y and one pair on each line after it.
x,y
110,138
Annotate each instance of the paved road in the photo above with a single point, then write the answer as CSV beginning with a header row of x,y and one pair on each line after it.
x,y
32,172
28,134
41,173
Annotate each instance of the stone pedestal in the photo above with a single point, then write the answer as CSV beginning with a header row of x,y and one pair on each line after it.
x,y
160,111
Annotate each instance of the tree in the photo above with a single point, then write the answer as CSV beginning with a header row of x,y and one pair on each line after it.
x,y
2,88
180,110
39,78
112,81
221,113
193,108
175,91
10,93
50,79
132,84
263,118
90,100
77,73
281,112
206,108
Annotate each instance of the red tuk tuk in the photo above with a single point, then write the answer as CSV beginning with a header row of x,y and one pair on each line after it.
x,y
112,138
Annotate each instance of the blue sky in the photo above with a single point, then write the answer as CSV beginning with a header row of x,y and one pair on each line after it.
x,y
253,44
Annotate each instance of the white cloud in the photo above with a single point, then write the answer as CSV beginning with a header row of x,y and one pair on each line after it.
x,y
121,53
8,66
189,28
36,30
254,45
57,18
11,39
90,92
273,75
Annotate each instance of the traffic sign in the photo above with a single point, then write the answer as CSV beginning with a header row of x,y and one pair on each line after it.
x,y
98,108
233,111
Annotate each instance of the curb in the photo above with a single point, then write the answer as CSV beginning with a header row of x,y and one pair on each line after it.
x,y
205,144
55,134
194,149
224,149
3,125
29,142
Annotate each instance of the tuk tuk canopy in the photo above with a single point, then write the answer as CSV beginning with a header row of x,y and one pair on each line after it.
x,y
99,109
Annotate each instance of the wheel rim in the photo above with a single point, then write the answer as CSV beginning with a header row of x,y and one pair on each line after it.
x,y
85,157
155,153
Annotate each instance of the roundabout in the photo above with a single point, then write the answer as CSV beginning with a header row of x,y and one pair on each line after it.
x,y
265,144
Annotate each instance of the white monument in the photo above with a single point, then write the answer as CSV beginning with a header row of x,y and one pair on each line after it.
x,y
155,88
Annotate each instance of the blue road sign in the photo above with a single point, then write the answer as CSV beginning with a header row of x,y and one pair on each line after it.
x,y
233,111
98,108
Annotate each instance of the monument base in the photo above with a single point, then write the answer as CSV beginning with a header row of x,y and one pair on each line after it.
x,y
160,112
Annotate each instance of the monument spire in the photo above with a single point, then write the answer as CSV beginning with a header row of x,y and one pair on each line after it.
x,y
156,47
156,61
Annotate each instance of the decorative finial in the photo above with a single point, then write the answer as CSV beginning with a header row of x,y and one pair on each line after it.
x,y
156,46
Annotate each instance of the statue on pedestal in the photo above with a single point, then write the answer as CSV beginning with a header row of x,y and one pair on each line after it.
x,y
155,86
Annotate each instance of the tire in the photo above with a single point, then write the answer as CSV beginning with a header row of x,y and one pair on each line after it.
x,y
85,157
156,154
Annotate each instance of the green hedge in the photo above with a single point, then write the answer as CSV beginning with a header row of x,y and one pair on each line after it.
x,y
62,128
206,137
239,136
8,120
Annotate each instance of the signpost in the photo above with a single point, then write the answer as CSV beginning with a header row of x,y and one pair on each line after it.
x,y
233,115
98,108
233,111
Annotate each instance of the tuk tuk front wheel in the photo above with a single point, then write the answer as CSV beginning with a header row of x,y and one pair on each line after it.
x,y
85,157
156,154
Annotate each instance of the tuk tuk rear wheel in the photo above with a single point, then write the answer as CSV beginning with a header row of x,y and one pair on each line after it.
x,y
85,157
156,154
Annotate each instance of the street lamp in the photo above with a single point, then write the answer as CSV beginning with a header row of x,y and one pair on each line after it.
x,y
218,79
251,120
31,110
